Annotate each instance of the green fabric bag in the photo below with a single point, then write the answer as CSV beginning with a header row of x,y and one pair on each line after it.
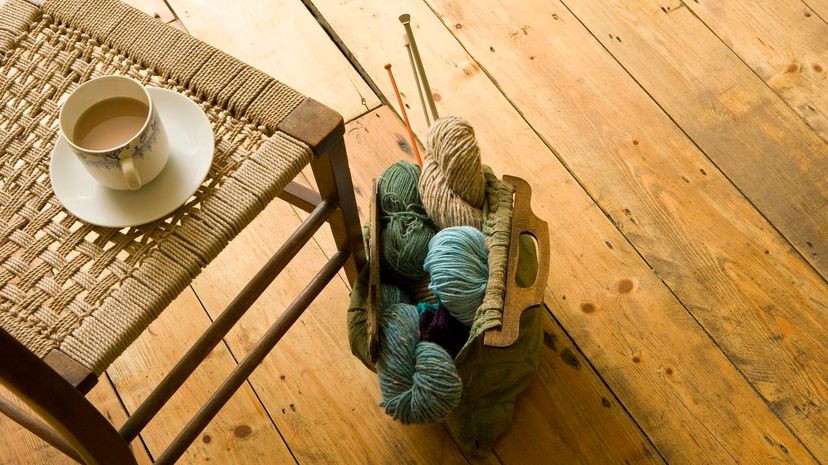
x,y
492,376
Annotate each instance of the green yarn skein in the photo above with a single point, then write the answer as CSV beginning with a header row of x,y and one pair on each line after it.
x,y
406,226
397,187
418,380
457,261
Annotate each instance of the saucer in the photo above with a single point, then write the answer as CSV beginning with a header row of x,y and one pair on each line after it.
x,y
191,154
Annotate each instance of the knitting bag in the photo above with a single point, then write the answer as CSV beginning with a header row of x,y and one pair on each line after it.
x,y
492,376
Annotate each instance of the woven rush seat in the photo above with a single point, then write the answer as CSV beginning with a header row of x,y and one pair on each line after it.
x,y
88,291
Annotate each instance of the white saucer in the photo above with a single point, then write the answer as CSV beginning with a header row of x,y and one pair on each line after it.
x,y
191,154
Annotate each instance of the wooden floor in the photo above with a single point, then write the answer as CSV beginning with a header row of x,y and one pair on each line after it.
x,y
677,150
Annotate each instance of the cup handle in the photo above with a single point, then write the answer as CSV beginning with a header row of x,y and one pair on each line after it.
x,y
130,173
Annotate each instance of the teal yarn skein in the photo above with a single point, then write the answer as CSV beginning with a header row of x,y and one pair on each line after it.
x,y
406,226
418,380
457,261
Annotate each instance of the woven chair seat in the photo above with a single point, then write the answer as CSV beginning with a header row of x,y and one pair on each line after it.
x,y
90,291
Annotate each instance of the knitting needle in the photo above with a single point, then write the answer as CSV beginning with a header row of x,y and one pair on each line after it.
x,y
416,79
405,19
404,115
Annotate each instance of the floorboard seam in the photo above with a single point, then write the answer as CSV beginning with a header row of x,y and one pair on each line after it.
x,y
247,381
813,11
739,57
140,437
583,187
572,341
340,44
379,105
600,377
706,156
666,285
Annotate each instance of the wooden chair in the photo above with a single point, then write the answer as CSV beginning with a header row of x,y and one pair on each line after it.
x,y
74,296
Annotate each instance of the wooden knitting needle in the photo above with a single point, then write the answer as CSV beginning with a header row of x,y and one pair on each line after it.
x,y
405,19
416,79
404,115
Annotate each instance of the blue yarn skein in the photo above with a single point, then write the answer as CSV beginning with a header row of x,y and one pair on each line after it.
x,y
457,261
418,380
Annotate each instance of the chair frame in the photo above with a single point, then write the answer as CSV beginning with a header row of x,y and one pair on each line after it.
x,y
54,387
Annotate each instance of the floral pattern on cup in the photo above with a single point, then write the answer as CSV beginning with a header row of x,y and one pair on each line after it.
x,y
138,148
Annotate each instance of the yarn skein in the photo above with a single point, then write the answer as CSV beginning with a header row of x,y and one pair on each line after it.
x,y
407,228
418,380
452,185
397,187
457,261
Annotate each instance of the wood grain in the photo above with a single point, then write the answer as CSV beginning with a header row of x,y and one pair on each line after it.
x,y
155,8
323,399
282,39
18,446
680,414
756,297
519,299
763,147
820,7
784,42
240,434
567,414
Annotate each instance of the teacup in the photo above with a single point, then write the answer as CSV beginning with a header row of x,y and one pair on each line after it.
x,y
113,127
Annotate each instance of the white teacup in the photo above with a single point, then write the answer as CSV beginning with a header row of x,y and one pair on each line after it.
x,y
133,160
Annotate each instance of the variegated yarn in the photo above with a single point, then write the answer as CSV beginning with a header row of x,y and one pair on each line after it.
x,y
452,185
418,380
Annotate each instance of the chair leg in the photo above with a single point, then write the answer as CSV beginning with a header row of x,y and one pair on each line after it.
x,y
77,424
322,129
333,178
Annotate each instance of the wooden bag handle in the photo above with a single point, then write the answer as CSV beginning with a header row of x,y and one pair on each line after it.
x,y
519,299
374,295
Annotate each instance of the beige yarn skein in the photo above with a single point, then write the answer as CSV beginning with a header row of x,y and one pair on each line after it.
x,y
452,185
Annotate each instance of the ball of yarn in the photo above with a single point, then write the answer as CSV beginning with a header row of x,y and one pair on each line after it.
x,y
407,228
452,143
457,261
418,380
452,185
444,206
405,241
397,187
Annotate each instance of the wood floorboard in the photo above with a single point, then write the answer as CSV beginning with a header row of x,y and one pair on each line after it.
x,y
820,7
581,414
784,42
723,260
321,397
681,325
282,39
242,433
20,447
155,8
728,111
647,347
